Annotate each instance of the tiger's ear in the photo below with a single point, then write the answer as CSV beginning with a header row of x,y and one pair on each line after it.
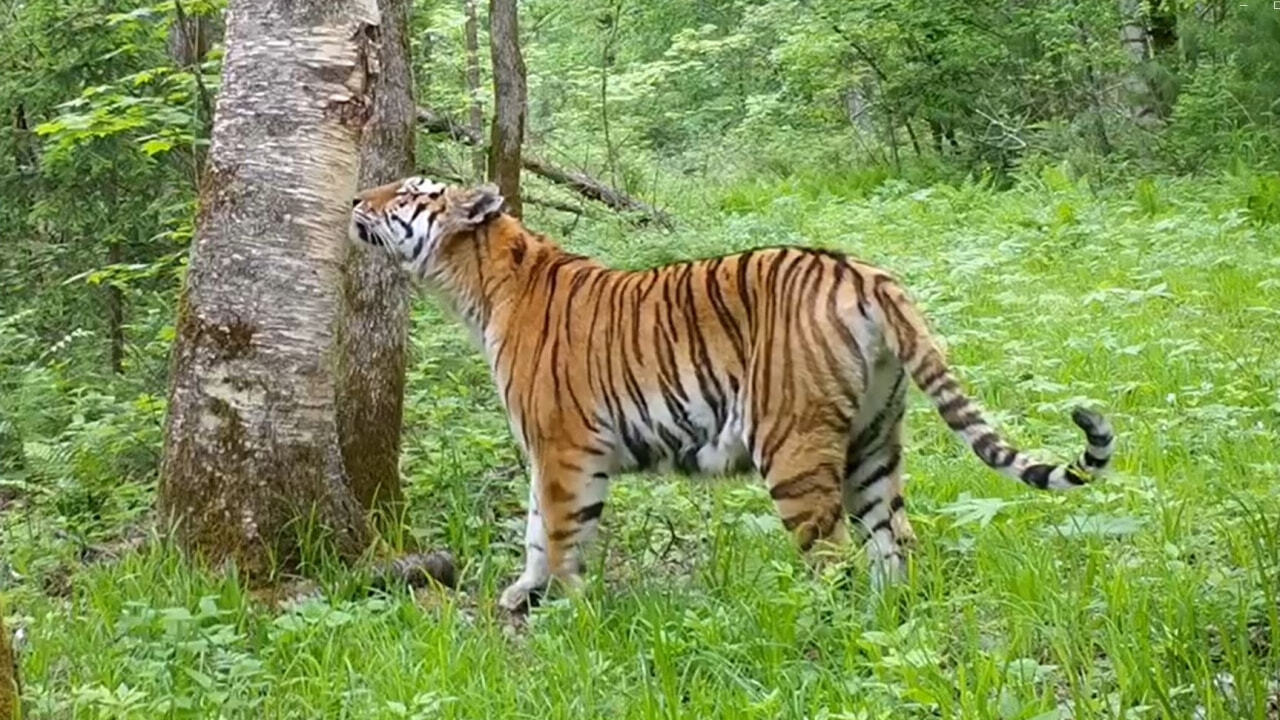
x,y
480,205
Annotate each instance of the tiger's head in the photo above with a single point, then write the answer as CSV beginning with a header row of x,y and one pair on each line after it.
x,y
414,217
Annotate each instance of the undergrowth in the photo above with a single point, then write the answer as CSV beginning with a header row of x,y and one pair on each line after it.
x,y
1152,594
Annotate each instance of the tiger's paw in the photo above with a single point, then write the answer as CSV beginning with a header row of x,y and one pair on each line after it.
x,y
888,571
521,596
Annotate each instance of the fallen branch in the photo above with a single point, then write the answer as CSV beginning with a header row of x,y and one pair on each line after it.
x,y
436,172
563,207
581,183
416,570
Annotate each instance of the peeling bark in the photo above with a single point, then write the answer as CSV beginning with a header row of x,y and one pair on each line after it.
x,y
252,470
509,102
371,398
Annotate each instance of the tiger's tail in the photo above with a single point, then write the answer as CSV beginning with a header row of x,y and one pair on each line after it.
x,y
908,337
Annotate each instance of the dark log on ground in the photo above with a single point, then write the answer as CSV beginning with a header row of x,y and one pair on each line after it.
x,y
416,570
581,183
553,204
440,174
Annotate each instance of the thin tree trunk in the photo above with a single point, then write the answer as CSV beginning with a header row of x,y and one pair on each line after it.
x,y
252,470
115,311
190,39
857,109
581,183
25,156
371,395
606,61
911,133
935,134
191,36
509,100
1134,39
9,700
473,88
891,132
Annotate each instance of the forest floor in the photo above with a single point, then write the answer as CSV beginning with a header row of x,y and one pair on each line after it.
x,y
1155,593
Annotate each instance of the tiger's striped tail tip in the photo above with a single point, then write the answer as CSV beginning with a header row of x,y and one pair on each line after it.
x,y
1099,443
1100,438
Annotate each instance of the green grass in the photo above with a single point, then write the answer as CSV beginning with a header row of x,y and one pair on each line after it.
x,y
1153,594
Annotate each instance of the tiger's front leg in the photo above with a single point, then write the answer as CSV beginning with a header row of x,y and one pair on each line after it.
x,y
537,572
566,498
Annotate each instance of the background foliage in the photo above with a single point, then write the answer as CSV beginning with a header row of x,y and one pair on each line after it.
x,y
1081,223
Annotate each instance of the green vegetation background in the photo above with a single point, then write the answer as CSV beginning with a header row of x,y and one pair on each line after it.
x,y
1067,253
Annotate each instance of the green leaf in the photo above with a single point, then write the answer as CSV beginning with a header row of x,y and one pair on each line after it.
x,y
176,614
201,679
156,146
969,510
1101,525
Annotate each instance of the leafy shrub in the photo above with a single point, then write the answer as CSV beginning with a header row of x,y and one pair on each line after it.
x,y
1263,199
1147,195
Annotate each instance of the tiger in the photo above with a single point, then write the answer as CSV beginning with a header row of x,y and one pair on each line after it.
x,y
787,360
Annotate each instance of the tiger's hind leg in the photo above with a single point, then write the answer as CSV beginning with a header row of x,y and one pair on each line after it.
x,y
566,499
873,490
803,477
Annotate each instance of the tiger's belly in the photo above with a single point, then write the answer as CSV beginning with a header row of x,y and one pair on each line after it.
x,y
690,437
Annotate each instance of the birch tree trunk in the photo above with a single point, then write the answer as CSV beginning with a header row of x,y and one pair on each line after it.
x,y
509,100
1135,40
252,466
371,393
476,115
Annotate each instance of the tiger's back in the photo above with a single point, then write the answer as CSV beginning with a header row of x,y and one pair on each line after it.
x,y
661,360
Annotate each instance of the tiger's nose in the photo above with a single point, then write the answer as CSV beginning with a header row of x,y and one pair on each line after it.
x,y
355,201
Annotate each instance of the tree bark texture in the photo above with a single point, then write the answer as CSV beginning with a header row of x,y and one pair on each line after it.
x,y
252,466
509,102
371,394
